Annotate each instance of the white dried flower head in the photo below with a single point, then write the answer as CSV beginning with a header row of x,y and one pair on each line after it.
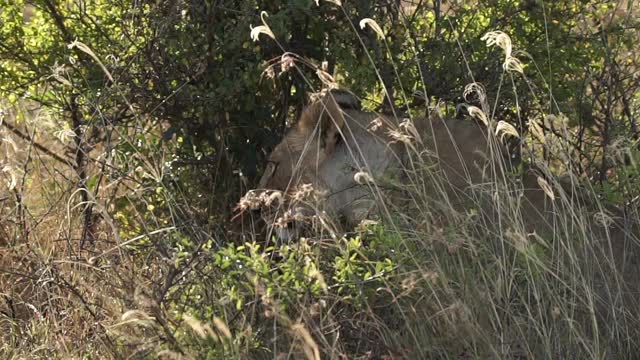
x,y
480,95
337,2
313,97
251,200
504,128
398,136
499,39
113,58
410,128
58,73
261,29
375,124
275,196
303,191
373,25
287,218
548,190
327,79
270,72
513,64
366,224
64,134
474,88
87,50
287,62
362,178
503,41
477,113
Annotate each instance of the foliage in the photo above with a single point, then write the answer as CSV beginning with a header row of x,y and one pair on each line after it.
x,y
128,131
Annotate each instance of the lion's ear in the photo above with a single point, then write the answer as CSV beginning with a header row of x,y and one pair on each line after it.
x,y
324,119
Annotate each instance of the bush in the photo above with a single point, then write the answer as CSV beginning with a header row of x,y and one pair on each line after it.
x,y
129,132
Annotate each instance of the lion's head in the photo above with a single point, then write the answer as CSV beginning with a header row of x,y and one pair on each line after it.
x,y
308,144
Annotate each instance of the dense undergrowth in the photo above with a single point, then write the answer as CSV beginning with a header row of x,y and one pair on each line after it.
x,y
121,170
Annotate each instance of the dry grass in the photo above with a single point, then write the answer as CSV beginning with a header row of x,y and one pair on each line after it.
x,y
522,267
471,280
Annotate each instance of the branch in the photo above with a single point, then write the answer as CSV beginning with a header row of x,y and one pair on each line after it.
x,y
42,148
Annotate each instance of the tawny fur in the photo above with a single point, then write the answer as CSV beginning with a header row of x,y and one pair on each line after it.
x,y
329,146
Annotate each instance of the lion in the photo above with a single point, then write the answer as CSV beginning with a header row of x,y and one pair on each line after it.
x,y
331,164
337,150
